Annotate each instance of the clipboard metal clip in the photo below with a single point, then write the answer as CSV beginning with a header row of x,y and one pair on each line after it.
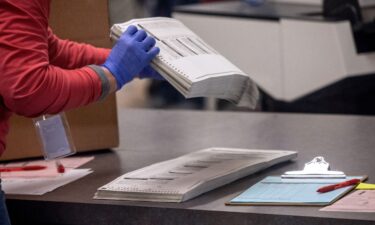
x,y
316,168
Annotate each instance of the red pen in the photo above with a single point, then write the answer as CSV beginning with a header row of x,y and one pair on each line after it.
x,y
59,166
22,168
338,185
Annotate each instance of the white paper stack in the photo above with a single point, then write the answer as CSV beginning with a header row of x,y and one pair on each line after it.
x,y
188,176
39,182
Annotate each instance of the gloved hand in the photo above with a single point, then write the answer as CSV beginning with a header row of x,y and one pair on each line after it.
x,y
131,54
149,72
255,2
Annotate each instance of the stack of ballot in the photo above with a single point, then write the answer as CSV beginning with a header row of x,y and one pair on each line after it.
x,y
190,65
39,176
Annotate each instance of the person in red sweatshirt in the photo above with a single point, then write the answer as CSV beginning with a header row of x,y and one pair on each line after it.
x,y
42,74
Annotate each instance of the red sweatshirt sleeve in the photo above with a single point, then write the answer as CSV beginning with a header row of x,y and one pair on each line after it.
x,y
71,55
31,82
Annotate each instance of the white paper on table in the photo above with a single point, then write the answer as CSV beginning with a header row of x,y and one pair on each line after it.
x,y
40,186
357,201
51,170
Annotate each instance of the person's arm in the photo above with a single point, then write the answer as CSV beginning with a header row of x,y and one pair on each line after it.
x,y
29,84
71,55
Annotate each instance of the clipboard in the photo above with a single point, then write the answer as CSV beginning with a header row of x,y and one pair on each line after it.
x,y
274,190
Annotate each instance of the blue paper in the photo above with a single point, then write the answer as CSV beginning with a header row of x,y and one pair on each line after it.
x,y
292,191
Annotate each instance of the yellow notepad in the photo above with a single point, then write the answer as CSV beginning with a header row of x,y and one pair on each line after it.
x,y
364,186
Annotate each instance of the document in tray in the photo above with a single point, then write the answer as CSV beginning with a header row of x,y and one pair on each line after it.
x,y
193,67
358,201
279,191
188,176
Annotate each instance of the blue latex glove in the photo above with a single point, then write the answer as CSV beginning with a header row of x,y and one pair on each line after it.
x,y
255,2
149,72
131,54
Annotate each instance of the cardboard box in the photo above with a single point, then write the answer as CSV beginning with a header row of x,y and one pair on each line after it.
x,y
95,126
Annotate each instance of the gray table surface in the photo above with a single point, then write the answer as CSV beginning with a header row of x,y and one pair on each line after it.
x,y
150,136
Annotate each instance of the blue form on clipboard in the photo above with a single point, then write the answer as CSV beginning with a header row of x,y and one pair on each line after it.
x,y
278,191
